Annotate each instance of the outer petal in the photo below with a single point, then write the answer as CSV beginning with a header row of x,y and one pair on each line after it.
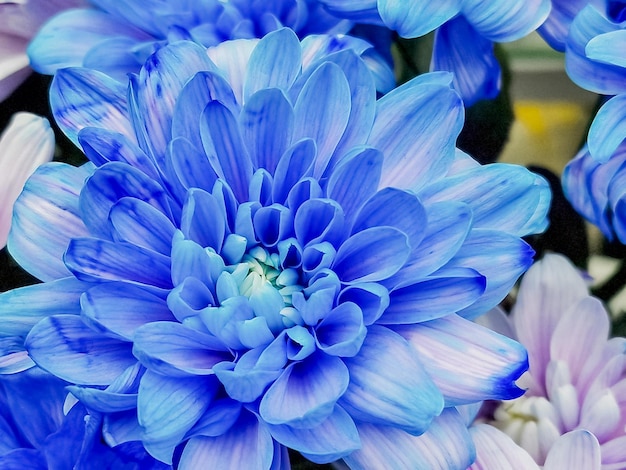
x,y
576,450
416,126
64,346
25,144
608,129
389,386
46,218
412,18
445,445
460,49
494,449
82,98
247,442
466,361
506,21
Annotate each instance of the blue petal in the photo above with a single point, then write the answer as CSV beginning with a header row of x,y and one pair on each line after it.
x,y
246,380
504,21
203,88
330,440
294,164
460,49
116,56
389,386
362,101
319,220
604,48
168,407
408,214
448,224
416,19
589,74
274,63
68,36
223,144
417,125
267,122
445,445
17,459
217,419
501,196
103,401
82,98
468,362
46,217
160,81
355,179
436,296
502,249
91,259
173,349
372,299
102,146
608,129
246,443
202,220
110,183
64,346
137,222
322,111
22,308
273,224
306,393
101,308
341,332
371,255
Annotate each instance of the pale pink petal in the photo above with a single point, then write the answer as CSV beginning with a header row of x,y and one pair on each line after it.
x,y
494,449
25,144
576,450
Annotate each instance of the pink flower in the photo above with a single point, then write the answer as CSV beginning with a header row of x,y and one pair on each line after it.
x,y
25,144
19,21
573,414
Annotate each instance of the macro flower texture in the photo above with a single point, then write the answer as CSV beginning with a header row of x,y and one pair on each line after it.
x,y
465,33
261,256
41,430
19,21
116,37
594,180
26,143
574,410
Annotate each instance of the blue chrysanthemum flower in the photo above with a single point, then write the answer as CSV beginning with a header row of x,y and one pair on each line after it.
x,y
116,37
41,430
464,33
261,256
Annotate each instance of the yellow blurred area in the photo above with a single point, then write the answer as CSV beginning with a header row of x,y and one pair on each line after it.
x,y
546,133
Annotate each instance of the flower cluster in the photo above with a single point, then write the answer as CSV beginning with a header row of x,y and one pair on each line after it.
x,y
575,408
246,265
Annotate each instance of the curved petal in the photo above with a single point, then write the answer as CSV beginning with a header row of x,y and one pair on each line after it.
x,y
446,444
506,21
332,439
576,449
412,19
247,442
46,217
26,143
168,407
460,49
371,255
65,347
417,125
466,361
305,394
494,449
322,111
608,129
82,98
341,332
389,386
